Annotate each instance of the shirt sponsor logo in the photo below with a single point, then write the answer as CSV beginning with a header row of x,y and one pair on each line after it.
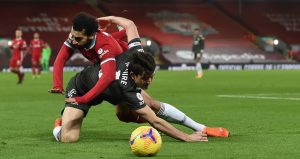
x,y
102,52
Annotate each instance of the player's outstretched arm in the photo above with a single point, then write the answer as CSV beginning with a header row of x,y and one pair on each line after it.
x,y
167,128
63,55
128,25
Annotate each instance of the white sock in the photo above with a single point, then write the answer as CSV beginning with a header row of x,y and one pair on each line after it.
x,y
56,133
173,115
198,68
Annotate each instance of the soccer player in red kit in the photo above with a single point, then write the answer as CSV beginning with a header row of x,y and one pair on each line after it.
x,y
18,47
36,46
97,46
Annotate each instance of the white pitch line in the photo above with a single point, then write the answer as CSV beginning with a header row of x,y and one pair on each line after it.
x,y
256,97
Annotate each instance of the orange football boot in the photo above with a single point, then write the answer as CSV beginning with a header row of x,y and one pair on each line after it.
x,y
216,131
57,122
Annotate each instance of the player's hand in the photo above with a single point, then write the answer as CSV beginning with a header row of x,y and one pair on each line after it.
x,y
123,22
71,100
106,26
56,91
198,136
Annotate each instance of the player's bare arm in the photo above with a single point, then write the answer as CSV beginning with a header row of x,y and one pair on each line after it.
x,y
167,128
63,55
127,24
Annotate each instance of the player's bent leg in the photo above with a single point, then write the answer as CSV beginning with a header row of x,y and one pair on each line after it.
x,y
70,125
20,74
170,113
174,115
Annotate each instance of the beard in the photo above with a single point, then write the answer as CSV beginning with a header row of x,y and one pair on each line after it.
x,y
144,86
88,43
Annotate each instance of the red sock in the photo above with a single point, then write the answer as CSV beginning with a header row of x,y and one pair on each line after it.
x,y
33,70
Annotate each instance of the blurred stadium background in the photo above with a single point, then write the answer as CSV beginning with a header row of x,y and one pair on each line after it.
x,y
240,34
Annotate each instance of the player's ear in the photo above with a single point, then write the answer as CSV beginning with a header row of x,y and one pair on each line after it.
x,y
132,75
91,36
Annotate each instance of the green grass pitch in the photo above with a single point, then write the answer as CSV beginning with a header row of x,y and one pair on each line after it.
x,y
260,108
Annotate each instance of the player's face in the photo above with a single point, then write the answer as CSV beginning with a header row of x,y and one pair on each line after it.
x,y
196,32
79,37
36,36
142,81
18,33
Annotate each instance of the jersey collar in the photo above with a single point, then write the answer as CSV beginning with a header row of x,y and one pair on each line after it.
x,y
91,44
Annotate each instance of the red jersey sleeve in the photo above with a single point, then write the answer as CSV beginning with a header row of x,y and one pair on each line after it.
x,y
108,75
107,54
63,55
119,34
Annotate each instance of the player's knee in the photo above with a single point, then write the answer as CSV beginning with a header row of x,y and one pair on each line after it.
x,y
154,105
123,117
130,117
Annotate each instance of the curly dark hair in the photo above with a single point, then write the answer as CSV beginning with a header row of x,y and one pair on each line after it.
x,y
142,63
85,22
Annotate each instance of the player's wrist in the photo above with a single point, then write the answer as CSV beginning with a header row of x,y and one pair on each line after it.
x,y
80,100
58,88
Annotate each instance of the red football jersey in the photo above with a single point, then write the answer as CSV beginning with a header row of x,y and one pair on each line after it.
x,y
18,46
102,49
36,46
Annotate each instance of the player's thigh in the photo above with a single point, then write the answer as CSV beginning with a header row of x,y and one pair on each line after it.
x,y
71,123
152,103
72,117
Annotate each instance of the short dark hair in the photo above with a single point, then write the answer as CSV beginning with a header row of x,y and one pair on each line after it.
x,y
84,21
142,63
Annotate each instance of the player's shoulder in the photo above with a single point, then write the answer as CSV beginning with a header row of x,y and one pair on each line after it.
x,y
101,33
105,43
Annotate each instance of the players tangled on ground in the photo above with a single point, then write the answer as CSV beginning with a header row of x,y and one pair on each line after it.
x,y
135,70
